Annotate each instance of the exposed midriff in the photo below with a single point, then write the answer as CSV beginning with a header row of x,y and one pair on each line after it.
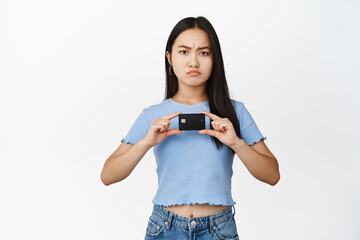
x,y
196,210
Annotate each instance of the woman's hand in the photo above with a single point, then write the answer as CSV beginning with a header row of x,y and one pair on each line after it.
x,y
223,129
158,130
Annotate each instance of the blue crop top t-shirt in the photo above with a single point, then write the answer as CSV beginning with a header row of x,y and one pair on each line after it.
x,y
190,168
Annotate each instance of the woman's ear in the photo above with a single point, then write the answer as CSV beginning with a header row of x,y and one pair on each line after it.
x,y
168,55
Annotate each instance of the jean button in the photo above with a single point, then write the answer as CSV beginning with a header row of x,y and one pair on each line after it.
x,y
193,223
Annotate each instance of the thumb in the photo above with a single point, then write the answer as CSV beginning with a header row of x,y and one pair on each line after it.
x,y
173,131
209,132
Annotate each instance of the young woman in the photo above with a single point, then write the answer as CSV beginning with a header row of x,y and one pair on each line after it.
x,y
194,168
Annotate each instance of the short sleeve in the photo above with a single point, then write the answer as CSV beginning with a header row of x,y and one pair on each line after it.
x,y
249,131
138,130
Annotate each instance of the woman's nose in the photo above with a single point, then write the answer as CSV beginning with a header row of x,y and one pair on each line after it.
x,y
194,60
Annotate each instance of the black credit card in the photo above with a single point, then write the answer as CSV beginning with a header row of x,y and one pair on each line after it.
x,y
191,121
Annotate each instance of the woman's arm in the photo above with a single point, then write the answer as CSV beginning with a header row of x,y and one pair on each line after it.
x,y
123,161
260,162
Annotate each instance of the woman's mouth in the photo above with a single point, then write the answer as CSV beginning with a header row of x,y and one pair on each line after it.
x,y
193,73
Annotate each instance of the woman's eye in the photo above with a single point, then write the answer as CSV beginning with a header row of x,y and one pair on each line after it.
x,y
206,53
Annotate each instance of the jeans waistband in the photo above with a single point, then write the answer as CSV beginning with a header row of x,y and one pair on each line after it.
x,y
196,222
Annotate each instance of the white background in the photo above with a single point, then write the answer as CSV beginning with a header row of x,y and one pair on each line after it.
x,y
75,75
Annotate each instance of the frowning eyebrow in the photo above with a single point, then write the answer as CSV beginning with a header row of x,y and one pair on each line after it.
x,y
199,48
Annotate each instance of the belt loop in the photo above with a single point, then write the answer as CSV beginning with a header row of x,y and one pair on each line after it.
x,y
234,210
169,221
211,220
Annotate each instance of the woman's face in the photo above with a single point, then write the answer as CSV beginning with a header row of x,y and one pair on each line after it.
x,y
191,51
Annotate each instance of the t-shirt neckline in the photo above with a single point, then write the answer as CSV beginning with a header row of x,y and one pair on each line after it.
x,y
185,105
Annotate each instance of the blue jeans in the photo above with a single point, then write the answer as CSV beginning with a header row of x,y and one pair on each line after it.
x,y
165,224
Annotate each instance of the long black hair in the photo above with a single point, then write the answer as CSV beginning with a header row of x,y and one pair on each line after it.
x,y
216,86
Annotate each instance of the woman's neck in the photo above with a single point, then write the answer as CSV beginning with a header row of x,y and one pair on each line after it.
x,y
189,100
